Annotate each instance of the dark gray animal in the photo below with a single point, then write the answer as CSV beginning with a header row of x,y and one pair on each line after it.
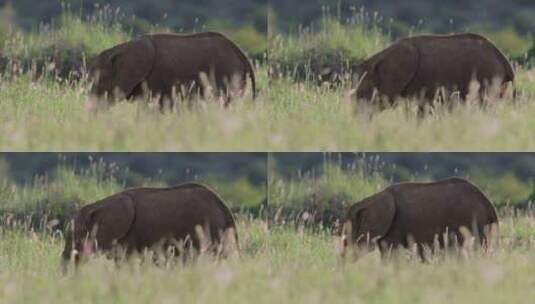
x,y
167,65
140,218
420,66
421,213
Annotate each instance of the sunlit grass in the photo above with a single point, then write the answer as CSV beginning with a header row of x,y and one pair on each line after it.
x,y
44,115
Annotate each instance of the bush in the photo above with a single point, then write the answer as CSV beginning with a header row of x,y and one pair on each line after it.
x,y
62,49
504,190
322,198
327,54
56,196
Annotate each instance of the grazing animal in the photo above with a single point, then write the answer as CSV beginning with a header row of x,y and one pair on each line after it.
x,y
422,214
166,65
423,65
141,218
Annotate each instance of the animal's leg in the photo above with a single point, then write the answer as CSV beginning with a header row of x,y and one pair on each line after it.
x,y
224,90
421,112
388,250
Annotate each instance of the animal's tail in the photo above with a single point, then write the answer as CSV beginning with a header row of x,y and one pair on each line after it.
x,y
252,76
248,66
491,231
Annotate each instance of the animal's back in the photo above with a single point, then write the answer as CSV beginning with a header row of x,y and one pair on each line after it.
x,y
428,209
177,211
183,58
194,199
454,61
202,46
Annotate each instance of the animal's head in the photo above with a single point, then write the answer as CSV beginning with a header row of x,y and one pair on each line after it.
x,y
366,223
101,73
116,72
364,80
79,241
97,227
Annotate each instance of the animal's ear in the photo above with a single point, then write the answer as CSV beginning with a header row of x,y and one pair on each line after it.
x,y
374,218
111,219
131,63
396,69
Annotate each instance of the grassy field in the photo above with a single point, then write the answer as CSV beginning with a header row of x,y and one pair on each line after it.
x,y
46,114
306,116
283,263
310,118
278,265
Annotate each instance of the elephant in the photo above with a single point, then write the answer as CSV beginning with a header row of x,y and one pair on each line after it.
x,y
432,215
140,219
164,66
426,67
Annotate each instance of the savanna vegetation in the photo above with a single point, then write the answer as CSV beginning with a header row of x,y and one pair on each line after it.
x,y
279,261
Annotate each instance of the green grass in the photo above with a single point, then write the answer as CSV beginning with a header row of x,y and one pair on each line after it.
x,y
332,37
44,115
70,32
281,266
332,183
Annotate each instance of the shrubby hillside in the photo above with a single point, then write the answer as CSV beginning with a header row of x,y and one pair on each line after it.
x,y
186,14
402,16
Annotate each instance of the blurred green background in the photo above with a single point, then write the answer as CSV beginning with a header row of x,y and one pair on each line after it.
x,y
402,17
243,20
180,15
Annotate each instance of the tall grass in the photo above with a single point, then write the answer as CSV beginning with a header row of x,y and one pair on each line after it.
x,y
356,39
91,36
280,265
45,115
307,117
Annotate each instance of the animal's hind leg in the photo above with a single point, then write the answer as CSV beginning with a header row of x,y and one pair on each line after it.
x,y
223,90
